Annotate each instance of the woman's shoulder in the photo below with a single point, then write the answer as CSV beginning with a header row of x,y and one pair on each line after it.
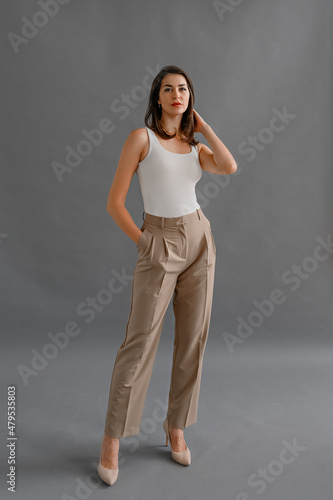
x,y
139,134
140,131
137,141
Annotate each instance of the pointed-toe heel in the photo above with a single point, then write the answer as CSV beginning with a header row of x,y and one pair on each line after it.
x,y
182,457
109,476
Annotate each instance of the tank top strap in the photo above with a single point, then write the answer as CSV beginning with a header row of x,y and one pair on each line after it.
x,y
152,137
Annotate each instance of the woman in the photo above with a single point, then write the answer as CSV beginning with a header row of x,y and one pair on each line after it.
x,y
176,256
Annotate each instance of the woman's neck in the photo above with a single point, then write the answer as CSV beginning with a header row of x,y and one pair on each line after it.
x,y
172,125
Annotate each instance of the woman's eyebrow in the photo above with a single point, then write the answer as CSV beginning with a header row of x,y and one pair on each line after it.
x,y
180,85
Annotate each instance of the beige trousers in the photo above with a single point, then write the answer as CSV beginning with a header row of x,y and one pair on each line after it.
x,y
176,256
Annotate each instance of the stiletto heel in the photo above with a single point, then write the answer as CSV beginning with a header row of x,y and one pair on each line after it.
x,y
109,476
182,457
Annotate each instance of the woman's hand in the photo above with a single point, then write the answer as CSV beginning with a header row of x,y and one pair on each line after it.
x,y
199,123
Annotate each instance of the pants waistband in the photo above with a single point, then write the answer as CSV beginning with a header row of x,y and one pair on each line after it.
x,y
173,221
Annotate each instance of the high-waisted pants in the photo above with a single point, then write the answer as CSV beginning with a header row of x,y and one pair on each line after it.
x,y
176,256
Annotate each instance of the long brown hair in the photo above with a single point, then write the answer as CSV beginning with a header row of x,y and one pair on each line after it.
x,y
154,112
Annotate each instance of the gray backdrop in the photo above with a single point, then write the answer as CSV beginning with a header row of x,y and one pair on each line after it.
x,y
76,80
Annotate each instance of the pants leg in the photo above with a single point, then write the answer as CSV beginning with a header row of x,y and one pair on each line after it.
x,y
192,304
177,257
152,289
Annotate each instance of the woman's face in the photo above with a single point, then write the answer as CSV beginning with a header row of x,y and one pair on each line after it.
x,y
173,89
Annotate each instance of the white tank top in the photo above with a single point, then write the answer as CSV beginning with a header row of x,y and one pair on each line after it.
x,y
168,180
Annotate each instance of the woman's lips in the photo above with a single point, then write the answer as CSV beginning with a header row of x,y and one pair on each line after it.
x,y
176,104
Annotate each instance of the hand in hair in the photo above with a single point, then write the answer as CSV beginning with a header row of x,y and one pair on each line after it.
x,y
199,123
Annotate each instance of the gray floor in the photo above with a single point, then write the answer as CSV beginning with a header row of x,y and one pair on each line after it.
x,y
255,404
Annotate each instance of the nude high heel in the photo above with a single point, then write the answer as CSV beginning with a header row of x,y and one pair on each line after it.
x,y
109,476
182,457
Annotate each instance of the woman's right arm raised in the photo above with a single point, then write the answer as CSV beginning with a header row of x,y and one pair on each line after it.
x,y
127,165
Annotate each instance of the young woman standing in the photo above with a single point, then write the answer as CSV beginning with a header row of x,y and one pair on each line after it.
x,y
176,257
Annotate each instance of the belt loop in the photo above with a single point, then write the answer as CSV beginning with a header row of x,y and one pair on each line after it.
x,y
142,214
162,221
198,213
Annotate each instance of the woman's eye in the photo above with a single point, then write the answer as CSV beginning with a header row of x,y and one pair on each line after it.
x,y
182,88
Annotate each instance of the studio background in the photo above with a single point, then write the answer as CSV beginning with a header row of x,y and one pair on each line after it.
x,y
262,76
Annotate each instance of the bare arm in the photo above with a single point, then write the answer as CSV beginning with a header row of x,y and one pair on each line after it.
x,y
218,159
127,165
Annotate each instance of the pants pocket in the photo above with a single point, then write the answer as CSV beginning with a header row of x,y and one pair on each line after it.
x,y
210,244
145,244
212,237
138,245
211,233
